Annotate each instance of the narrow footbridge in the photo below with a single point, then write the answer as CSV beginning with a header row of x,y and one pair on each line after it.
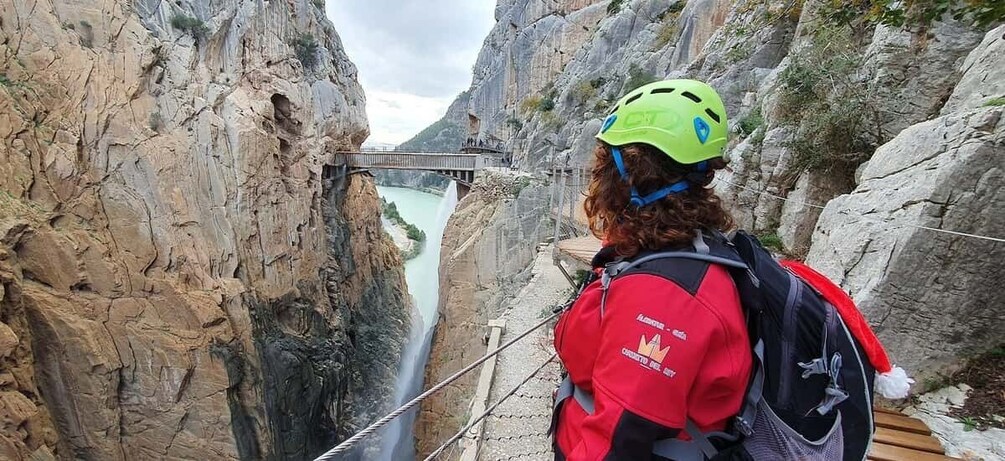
x,y
459,167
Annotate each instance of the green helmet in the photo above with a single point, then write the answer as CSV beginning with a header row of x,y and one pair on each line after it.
x,y
684,119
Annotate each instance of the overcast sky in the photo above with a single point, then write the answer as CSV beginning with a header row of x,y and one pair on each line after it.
x,y
414,57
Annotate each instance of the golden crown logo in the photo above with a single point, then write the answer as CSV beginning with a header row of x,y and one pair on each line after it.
x,y
652,349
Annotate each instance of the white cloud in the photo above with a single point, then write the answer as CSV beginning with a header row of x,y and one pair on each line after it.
x,y
421,51
395,117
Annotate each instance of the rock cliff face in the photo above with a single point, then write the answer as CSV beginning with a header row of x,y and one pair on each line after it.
x,y
932,296
488,245
178,278
813,90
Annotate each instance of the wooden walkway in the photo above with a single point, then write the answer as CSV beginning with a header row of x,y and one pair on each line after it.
x,y
898,437
902,438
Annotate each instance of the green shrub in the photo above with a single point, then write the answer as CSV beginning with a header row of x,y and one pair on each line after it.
x,y
530,103
772,242
969,423
319,4
305,46
4,81
414,233
912,13
520,184
614,7
751,122
390,211
739,52
637,77
999,101
830,139
603,105
538,103
514,123
194,26
668,32
551,121
820,94
547,104
758,139
583,91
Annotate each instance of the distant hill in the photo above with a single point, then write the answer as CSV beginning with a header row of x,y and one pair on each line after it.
x,y
445,135
442,136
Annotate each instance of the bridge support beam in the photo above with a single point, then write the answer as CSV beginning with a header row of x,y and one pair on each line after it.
x,y
462,190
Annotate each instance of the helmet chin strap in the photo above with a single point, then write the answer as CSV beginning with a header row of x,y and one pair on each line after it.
x,y
640,201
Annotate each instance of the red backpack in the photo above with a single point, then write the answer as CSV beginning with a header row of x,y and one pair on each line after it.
x,y
817,360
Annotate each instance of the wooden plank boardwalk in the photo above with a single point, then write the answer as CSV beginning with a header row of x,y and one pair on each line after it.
x,y
898,437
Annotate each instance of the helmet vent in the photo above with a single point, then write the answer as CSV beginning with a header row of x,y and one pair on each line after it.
x,y
615,109
662,90
633,98
691,96
714,115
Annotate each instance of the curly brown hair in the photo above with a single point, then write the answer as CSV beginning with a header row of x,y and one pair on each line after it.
x,y
669,222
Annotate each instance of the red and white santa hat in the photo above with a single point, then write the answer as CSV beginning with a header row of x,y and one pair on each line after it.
x,y
892,381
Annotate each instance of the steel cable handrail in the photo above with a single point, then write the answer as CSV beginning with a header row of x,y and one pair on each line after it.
x,y
348,443
489,411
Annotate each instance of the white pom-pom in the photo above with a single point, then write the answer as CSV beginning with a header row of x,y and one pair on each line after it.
x,y
893,384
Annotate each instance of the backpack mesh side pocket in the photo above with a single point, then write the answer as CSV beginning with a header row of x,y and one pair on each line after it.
x,y
773,440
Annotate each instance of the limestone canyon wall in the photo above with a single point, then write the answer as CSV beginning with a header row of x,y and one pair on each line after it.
x,y
178,277
873,126
488,246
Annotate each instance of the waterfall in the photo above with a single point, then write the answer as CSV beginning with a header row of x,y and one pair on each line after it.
x,y
397,442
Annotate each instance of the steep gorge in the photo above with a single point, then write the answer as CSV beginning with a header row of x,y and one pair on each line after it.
x,y
852,134
181,275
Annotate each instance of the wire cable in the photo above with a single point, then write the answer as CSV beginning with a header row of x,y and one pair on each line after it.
x,y
489,411
348,443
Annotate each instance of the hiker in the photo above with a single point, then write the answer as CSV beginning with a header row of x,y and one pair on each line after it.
x,y
685,344
670,341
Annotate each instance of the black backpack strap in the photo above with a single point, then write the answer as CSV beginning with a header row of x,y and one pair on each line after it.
x,y
700,447
745,420
617,268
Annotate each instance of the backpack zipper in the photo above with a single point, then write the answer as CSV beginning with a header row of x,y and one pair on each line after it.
x,y
788,337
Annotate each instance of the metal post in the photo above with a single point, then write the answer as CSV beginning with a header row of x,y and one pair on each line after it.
x,y
558,214
573,201
554,187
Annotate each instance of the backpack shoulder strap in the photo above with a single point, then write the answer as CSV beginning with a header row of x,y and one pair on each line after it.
x,y
614,269
619,267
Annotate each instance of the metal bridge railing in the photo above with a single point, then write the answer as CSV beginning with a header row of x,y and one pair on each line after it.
x,y
568,188
412,161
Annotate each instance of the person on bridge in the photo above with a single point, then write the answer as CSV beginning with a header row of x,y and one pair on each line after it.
x,y
667,342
